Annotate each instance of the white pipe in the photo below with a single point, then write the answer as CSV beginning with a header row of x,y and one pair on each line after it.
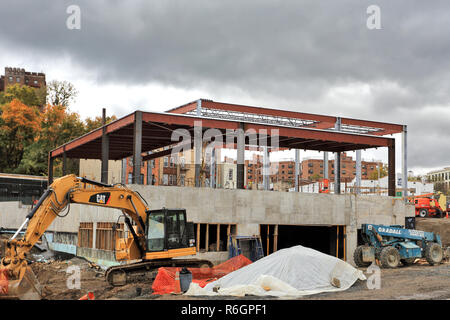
x,y
20,229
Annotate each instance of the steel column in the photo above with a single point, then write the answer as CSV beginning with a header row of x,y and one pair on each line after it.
x,y
50,169
105,150
198,145
405,163
297,169
325,165
358,172
391,169
266,168
212,168
137,148
124,171
337,163
240,156
64,163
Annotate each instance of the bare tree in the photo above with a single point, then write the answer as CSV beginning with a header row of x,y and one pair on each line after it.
x,y
61,93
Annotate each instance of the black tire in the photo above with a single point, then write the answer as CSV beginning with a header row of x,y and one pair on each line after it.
x,y
408,262
390,258
423,213
434,253
357,257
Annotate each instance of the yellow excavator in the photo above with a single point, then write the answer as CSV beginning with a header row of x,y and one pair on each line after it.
x,y
155,237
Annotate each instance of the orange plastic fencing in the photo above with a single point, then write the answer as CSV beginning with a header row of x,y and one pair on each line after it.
x,y
165,279
3,281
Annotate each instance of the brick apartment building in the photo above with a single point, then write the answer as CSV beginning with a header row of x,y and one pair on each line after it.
x,y
314,167
20,76
171,172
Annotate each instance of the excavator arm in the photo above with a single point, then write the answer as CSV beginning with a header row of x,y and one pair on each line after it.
x,y
63,191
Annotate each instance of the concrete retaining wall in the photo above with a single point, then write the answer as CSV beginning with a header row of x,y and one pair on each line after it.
x,y
246,208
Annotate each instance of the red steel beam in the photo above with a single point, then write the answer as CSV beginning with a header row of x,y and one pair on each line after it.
x,y
325,122
322,135
188,121
93,135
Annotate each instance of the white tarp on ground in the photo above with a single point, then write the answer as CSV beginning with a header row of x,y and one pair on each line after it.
x,y
294,271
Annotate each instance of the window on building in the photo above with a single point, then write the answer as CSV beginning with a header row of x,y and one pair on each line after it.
x,y
282,166
310,164
130,178
332,171
18,80
10,79
35,82
250,177
310,171
343,171
153,163
166,162
170,179
371,167
172,162
230,174
321,171
343,165
165,179
182,177
182,162
332,165
321,165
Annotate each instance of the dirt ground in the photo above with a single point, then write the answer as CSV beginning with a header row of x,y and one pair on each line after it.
x,y
419,281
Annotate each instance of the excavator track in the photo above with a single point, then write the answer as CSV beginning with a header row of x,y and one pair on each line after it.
x,y
146,270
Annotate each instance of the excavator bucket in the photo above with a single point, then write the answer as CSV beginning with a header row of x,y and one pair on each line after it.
x,y
26,288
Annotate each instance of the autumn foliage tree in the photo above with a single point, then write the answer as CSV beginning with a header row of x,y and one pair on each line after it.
x,y
58,126
28,133
20,125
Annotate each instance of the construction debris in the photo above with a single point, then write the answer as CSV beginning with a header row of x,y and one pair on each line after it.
x,y
168,279
295,271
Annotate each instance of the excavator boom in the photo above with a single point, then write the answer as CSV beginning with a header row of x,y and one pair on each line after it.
x,y
17,278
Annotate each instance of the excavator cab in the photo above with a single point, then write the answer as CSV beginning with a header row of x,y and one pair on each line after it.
x,y
168,229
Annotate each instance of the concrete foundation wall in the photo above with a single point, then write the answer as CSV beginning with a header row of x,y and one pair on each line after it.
x,y
246,208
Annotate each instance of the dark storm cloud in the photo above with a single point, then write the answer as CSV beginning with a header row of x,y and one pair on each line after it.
x,y
294,49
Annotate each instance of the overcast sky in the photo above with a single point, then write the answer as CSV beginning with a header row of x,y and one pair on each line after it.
x,y
310,56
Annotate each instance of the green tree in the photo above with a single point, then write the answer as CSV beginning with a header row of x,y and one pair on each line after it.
x,y
25,94
92,124
383,172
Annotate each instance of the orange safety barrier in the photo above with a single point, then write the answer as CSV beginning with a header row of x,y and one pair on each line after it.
x,y
165,281
3,281
88,296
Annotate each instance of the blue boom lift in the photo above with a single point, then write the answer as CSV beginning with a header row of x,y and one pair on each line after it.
x,y
394,244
